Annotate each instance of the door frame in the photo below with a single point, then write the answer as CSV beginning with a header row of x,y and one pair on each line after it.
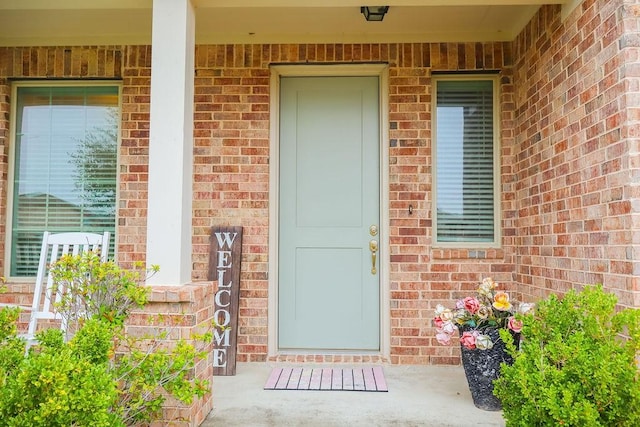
x,y
381,70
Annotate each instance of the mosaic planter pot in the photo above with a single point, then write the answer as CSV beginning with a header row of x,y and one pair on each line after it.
x,y
482,367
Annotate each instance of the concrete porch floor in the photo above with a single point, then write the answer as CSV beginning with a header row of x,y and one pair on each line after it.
x,y
417,396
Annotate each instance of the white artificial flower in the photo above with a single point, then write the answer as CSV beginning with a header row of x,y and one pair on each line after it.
x,y
487,286
526,307
483,342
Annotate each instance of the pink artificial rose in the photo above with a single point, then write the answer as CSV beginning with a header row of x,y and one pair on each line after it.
x,y
449,328
437,321
514,324
471,304
443,338
468,340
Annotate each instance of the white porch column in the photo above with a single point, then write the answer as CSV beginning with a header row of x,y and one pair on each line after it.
x,y
171,142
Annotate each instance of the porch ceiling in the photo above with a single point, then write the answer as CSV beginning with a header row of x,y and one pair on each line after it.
x,y
90,22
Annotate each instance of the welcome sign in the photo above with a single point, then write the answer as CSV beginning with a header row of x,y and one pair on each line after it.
x,y
224,268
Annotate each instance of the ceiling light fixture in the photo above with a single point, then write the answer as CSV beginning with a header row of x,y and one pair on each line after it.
x,y
374,13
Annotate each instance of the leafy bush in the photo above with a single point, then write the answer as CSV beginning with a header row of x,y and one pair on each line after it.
x,y
102,376
11,347
94,288
143,373
61,385
576,366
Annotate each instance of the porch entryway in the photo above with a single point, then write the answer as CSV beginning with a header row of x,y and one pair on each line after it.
x,y
434,396
329,214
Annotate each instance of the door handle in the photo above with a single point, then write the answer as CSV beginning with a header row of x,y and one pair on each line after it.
x,y
373,247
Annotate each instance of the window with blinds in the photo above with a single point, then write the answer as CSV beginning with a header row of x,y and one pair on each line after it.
x,y
466,172
65,166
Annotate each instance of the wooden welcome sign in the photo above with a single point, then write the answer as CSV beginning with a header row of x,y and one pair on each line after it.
x,y
224,268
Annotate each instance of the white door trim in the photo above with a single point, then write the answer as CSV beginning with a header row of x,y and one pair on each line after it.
x,y
278,71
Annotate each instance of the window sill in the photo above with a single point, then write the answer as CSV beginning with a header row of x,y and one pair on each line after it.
x,y
468,253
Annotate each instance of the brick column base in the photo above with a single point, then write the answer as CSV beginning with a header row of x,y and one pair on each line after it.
x,y
184,311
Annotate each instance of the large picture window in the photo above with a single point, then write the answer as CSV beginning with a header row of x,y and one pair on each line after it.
x,y
64,166
466,162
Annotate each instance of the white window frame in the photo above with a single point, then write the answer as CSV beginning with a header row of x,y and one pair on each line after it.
x,y
11,158
497,226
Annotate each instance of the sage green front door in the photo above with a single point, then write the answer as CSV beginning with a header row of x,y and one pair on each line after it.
x,y
329,287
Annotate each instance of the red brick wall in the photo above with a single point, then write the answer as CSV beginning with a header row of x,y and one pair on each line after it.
x,y
570,110
132,66
180,312
4,166
134,151
576,103
232,177
231,173
77,63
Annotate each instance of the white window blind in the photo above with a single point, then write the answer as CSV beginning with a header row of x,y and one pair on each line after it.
x,y
465,147
65,166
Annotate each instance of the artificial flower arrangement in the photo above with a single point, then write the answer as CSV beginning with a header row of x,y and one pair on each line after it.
x,y
491,309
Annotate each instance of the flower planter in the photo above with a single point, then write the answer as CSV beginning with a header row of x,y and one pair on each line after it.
x,y
481,367
478,320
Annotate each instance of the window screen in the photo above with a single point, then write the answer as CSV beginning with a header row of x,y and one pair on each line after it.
x,y
65,166
465,148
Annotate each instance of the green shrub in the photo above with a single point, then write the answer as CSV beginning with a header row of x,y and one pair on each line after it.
x,y
59,386
102,376
97,289
576,365
11,347
143,372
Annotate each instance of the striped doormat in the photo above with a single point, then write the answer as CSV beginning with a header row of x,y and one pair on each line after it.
x,y
351,379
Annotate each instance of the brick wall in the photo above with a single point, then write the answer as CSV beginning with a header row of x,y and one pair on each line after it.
x,y
132,66
180,312
232,177
569,160
73,63
4,166
134,155
231,172
576,103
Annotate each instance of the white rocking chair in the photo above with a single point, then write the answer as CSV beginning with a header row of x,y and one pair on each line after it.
x,y
54,246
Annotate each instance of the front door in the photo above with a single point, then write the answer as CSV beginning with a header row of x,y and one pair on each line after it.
x,y
328,291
